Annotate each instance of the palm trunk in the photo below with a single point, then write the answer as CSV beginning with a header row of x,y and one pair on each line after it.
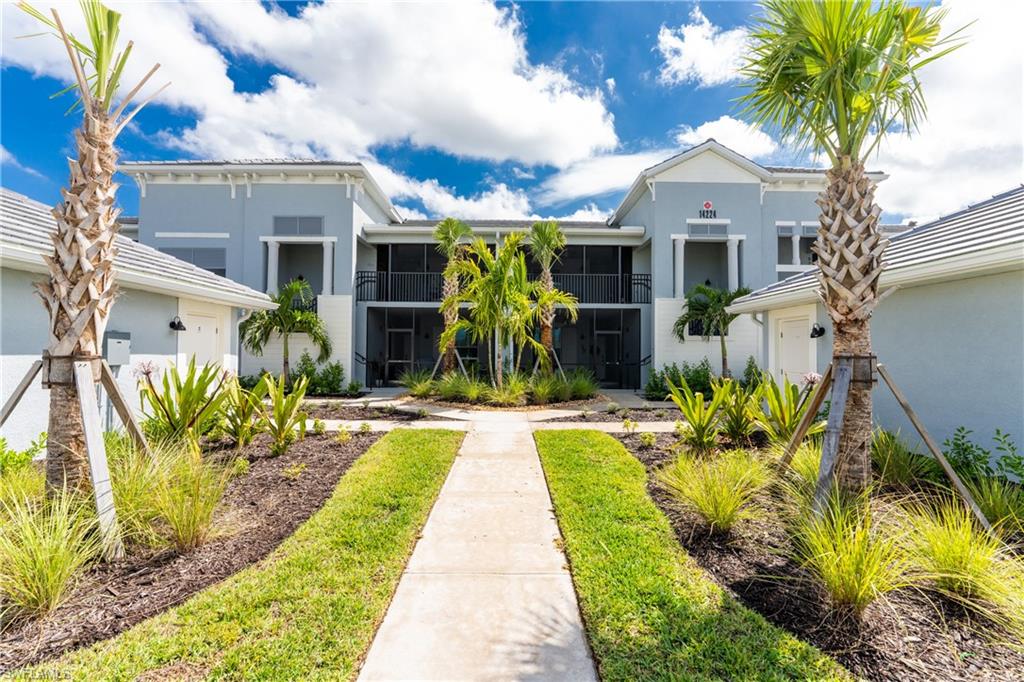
x,y
81,288
499,370
725,355
849,250
547,319
284,360
451,316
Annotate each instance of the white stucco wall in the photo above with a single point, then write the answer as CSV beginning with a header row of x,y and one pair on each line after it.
x,y
744,340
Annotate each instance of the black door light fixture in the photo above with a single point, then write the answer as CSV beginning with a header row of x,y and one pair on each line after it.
x,y
817,331
177,325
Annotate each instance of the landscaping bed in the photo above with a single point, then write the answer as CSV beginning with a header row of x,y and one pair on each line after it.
x,y
599,412
327,410
259,509
908,635
311,608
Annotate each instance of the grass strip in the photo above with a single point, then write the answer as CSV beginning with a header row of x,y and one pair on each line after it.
x,y
649,611
310,610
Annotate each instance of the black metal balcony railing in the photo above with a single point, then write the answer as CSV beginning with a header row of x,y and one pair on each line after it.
x,y
425,287
308,305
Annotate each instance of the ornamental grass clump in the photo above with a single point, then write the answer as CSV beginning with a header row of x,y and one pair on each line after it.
x,y
418,382
452,386
134,476
43,546
1002,503
897,465
545,389
582,384
961,561
721,490
187,493
851,558
699,431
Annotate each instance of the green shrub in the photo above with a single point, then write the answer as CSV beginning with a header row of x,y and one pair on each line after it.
x,y
582,384
971,460
365,427
1001,501
648,439
344,435
305,367
251,381
655,388
182,406
475,390
630,426
187,493
720,490
353,390
612,408
897,465
284,420
697,376
739,411
319,427
752,374
42,549
242,411
11,459
964,563
783,410
22,483
330,380
509,394
700,429
850,558
239,467
452,386
545,388
418,382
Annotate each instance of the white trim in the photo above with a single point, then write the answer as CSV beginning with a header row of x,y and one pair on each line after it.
x,y
297,239
708,221
791,267
630,231
195,235
708,237
810,223
785,223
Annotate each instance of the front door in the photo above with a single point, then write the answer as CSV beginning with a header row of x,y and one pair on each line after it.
x,y
399,357
200,338
608,358
794,348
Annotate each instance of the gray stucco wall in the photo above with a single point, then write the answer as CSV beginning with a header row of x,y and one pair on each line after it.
x,y
956,349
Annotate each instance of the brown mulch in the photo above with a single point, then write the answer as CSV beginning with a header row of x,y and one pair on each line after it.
x,y
260,509
590,404
327,410
600,413
906,636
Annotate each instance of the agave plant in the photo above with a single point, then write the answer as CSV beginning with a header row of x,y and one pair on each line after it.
x,y
182,406
783,410
241,409
700,429
284,419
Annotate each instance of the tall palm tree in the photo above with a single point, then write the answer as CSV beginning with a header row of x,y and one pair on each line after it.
x,y
837,76
292,316
82,283
546,243
449,234
707,305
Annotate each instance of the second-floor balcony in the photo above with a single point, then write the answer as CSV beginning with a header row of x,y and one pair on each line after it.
x,y
425,287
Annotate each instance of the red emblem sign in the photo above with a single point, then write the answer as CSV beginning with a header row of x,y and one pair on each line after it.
x,y
707,206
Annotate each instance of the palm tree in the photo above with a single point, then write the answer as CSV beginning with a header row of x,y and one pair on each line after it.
x,y
838,76
449,234
292,316
546,243
707,306
82,283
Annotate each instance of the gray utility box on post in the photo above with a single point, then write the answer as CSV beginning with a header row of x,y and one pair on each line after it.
x,y
117,348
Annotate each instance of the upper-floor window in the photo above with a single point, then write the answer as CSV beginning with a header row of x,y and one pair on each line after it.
x,y
299,225
708,229
212,259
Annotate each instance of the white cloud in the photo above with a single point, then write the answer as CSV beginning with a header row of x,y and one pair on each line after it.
x,y
499,201
455,77
588,212
971,146
741,137
410,213
9,159
522,173
700,52
598,175
609,83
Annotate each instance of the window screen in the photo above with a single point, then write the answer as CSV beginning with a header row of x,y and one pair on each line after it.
x,y
212,259
698,230
298,225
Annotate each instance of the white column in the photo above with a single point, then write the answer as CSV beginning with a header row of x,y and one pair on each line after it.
x,y
679,248
273,249
328,287
733,249
796,247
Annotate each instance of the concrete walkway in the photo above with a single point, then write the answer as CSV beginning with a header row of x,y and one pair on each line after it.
x,y
487,594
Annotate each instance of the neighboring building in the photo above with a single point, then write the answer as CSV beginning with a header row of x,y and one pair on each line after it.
x,y
155,289
952,334
705,215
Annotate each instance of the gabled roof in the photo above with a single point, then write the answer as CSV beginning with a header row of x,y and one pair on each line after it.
x,y
238,167
985,237
766,174
25,228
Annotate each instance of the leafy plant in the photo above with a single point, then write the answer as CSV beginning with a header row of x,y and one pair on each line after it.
x,y
511,392
852,560
344,435
239,467
1011,462
783,410
188,491
582,384
897,465
452,386
544,389
708,307
365,428
284,420
612,408
655,388
1001,501
353,390
292,315
752,374
967,458
242,411
739,411
42,549
475,390
182,406
648,439
964,563
292,472
11,459
319,427
630,426
720,490
701,425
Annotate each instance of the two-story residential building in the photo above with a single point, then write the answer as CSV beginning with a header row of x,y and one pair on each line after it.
x,y
707,215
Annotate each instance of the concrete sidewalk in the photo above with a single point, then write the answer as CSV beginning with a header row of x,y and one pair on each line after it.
x,y
487,594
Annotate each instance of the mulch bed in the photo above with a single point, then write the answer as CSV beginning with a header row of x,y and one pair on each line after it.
x,y
261,509
590,404
360,413
906,636
600,413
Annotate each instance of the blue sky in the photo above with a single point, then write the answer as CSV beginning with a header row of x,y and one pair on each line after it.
x,y
516,110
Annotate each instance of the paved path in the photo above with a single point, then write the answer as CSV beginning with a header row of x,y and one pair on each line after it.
x,y
487,594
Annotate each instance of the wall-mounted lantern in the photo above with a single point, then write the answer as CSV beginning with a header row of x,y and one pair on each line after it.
x,y
817,331
177,325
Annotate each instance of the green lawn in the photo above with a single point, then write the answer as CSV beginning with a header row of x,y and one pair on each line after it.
x,y
310,610
649,611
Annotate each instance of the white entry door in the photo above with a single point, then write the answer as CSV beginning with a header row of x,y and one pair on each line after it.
x,y
200,338
794,348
